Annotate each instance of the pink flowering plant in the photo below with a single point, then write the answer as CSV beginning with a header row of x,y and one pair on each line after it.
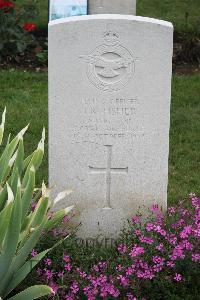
x,y
157,257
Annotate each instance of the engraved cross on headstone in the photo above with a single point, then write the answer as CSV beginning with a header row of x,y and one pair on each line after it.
x,y
108,171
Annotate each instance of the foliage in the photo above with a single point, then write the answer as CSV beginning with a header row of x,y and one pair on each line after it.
x,y
157,257
15,29
190,48
20,228
43,56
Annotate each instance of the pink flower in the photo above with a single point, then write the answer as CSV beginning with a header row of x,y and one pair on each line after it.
x,y
119,268
170,264
177,253
68,267
123,280
74,287
129,271
66,258
154,208
60,274
186,245
34,253
122,248
160,247
146,240
137,250
136,219
49,274
178,277
81,273
149,226
47,261
130,297
54,287
137,232
171,210
66,219
158,260
196,257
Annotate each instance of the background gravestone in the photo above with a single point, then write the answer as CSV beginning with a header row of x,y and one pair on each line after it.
x,y
126,7
109,116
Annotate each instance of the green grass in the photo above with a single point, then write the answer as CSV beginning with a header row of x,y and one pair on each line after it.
x,y
184,160
169,10
25,95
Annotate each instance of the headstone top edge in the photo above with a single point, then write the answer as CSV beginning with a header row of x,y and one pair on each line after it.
x,y
111,17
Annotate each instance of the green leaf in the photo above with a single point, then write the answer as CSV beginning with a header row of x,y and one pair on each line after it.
x,y
8,152
20,157
36,159
33,292
4,221
24,271
28,193
21,257
39,212
57,218
2,125
27,161
3,196
14,180
28,246
12,236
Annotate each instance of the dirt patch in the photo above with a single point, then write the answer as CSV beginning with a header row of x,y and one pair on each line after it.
x,y
186,69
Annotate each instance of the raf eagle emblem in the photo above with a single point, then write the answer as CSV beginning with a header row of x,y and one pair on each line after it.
x,y
107,68
110,66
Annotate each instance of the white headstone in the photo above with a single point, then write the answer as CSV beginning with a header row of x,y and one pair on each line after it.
x,y
109,116
126,7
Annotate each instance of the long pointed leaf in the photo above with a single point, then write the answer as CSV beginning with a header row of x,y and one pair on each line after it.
x,y
21,256
24,271
12,236
36,159
4,221
20,157
2,125
57,218
8,152
28,193
33,292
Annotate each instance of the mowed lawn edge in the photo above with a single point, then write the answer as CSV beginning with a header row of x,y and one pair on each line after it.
x,y
25,94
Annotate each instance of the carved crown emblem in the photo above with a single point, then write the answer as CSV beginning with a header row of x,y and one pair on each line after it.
x,y
111,38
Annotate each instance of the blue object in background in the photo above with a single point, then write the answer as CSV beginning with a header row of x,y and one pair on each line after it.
x,y
66,8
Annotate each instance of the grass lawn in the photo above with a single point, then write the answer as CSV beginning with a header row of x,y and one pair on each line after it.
x,y
170,10
25,95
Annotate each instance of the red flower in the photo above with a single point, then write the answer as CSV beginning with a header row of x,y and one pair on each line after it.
x,y
6,4
29,26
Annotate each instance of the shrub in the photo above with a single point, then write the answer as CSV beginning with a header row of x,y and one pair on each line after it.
x,y
157,257
15,30
21,228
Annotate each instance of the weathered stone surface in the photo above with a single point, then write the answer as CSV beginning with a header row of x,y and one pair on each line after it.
x,y
109,116
126,7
